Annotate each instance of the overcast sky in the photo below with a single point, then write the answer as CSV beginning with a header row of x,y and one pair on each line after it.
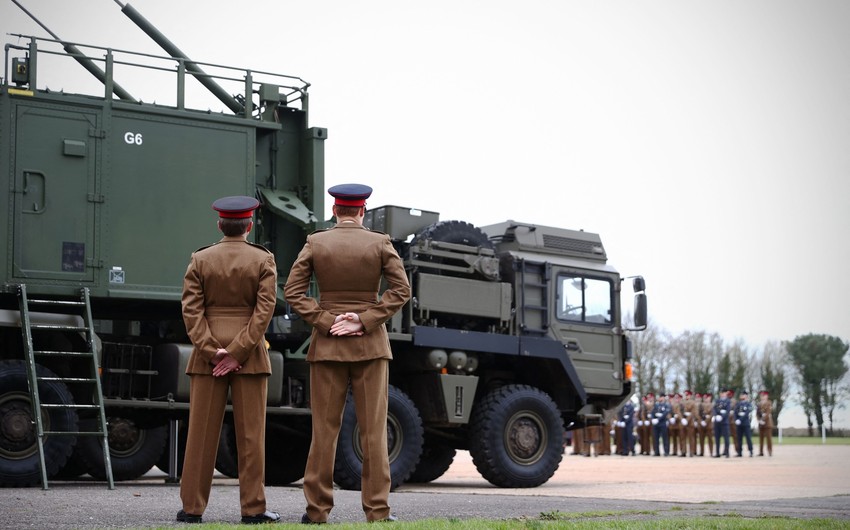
x,y
706,141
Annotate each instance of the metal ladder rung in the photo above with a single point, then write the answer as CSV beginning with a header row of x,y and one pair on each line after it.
x,y
62,353
57,302
75,433
68,379
67,406
34,380
54,327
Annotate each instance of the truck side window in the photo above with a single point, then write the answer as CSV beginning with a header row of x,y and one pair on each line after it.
x,y
584,299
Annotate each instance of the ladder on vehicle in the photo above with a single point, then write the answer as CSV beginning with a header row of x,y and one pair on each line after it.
x,y
534,297
88,353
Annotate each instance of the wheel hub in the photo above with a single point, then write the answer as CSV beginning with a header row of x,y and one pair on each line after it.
x,y
124,436
525,439
17,431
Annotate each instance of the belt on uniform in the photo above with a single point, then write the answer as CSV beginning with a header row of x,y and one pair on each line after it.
x,y
229,311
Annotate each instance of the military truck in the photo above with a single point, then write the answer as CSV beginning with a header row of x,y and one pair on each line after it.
x,y
513,335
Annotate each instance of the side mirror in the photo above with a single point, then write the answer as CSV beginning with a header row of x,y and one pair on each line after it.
x,y
640,311
638,284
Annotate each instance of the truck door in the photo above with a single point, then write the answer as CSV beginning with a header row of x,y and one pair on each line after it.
x,y
54,194
584,320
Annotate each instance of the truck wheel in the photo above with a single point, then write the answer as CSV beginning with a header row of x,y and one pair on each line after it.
x,y
19,461
286,457
227,458
435,461
133,451
516,437
404,442
73,468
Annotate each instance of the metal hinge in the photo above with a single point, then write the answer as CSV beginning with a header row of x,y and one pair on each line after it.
x,y
97,133
95,197
94,264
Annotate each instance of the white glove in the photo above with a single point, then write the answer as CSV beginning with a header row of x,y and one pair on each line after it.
x,y
702,423
685,423
621,424
761,422
612,432
687,413
737,422
657,414
718,418
655,421
741,413
722,411
640,423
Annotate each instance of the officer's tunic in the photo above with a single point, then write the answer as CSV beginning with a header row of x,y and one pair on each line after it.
x,y
348,261
764,413
229,294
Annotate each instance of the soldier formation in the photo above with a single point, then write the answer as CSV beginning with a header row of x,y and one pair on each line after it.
x,y
682,425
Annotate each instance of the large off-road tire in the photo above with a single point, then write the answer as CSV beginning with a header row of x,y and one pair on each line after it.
x,y
133,450
435,461
73,468
19,461
286,456
516,437
404,442
457,232
227,458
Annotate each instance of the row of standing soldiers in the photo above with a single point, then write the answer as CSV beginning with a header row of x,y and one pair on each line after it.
x,y
683,423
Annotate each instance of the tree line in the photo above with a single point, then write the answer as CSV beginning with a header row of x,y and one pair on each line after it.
x,y
809,370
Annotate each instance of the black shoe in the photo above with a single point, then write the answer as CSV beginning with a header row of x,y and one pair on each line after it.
x,y
306,520
390,519
263,518
184,517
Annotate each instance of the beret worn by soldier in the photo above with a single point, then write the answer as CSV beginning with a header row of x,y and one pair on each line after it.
x,y
236,207
350,194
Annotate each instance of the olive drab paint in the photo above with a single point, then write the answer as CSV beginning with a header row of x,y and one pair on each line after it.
x,y
514,333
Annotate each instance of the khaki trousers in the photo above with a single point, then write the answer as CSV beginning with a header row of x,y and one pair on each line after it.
x,y
329,382
207,400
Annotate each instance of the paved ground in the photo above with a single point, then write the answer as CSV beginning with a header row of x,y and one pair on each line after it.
x,y
798,481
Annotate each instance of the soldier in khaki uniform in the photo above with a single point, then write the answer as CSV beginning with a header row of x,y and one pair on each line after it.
x,y
706,423
644,425
229,294
689,424
675,430
764,415
349,346
733,432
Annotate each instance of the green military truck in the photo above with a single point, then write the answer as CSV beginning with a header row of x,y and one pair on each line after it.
x,y
513,335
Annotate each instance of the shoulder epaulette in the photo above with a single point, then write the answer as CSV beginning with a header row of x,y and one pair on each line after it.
x,y
206,246
257,245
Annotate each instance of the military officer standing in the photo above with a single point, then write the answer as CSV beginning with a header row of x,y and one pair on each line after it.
x,y
349,346
764,414
660,415
706,424
743,414
644,427
689,425
675,429
627,425
721,423
229,296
